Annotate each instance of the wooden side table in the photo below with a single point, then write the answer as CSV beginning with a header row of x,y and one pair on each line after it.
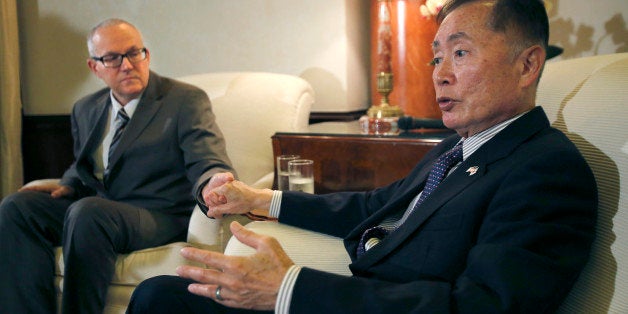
x,y
345,160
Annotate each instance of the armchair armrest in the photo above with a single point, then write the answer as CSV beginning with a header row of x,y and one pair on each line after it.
x,y
203,230
265,182
306,248
211,233
43,182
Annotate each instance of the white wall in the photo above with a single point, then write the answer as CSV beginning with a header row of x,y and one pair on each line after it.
x,y
588,27
323,41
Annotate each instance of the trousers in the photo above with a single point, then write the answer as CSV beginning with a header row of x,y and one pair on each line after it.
x,y
169,294
92,231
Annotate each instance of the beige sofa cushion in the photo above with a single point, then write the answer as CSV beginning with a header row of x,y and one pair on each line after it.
x,y
264,103
133,268
305,248
588,100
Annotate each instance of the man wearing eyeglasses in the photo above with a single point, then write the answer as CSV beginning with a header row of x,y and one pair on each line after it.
x,y
145,147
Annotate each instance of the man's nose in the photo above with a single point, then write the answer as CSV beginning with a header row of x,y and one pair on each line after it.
x,y
126,64
443,74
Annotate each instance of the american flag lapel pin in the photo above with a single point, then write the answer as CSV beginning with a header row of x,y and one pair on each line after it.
x,y
472,170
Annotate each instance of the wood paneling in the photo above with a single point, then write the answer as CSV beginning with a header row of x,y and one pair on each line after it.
x,y
46,146
355,162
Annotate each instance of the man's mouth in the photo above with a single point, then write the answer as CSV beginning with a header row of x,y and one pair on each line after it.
x,y
129,78
445,103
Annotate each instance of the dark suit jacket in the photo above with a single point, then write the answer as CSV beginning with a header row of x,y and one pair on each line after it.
x,y
512,237
170,147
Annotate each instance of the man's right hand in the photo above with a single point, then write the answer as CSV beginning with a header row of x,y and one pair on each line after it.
x,y
209,197
235,197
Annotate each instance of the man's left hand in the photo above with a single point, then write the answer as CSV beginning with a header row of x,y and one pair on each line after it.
x,y
249,282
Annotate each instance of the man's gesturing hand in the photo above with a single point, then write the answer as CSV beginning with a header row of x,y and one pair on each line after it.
x,y
250,282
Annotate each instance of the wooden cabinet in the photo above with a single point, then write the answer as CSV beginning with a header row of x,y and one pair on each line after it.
x,y
345,160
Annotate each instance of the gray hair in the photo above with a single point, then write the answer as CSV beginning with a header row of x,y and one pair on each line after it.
x,y
105,23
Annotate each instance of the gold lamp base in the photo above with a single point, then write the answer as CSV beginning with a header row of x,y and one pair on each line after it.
x,y
379,112
382,118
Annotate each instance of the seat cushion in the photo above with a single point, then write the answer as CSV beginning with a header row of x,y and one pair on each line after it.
x,y
133,268
305,248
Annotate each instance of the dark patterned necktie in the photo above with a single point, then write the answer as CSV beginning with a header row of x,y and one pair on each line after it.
x,y
445,162
120,125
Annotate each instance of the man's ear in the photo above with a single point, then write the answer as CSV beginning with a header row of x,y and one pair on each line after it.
x,y
92,64
532,60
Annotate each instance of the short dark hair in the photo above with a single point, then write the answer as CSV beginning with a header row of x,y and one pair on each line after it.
x,y
525,19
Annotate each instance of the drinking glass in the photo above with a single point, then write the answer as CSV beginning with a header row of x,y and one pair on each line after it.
x,y
301,175
282,171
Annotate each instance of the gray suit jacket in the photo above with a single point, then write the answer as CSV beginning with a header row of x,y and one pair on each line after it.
x,y
169,149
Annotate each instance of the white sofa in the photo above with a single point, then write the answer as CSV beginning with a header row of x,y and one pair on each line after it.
x,y
249,107
587,98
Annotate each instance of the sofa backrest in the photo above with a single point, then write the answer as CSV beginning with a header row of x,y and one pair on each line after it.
x,y
250,107
587,98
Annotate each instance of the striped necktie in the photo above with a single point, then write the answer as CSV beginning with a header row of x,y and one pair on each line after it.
x,y
445,162
119,125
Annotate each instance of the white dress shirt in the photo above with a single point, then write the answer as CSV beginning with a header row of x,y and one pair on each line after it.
x,y
101,154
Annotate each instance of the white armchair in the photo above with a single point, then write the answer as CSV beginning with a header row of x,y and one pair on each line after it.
x,y
249,107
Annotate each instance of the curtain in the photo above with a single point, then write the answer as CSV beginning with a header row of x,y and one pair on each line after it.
x,y
10,103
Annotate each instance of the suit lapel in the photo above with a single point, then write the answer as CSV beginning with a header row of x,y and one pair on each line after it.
x,y
454,184
397,203
145,112
97,117
468,172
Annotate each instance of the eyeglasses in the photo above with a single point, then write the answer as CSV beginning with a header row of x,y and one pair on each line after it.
x,y
115,60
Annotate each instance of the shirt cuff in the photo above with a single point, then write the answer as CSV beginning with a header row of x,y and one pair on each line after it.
x,y
275,204
282,306
199,193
